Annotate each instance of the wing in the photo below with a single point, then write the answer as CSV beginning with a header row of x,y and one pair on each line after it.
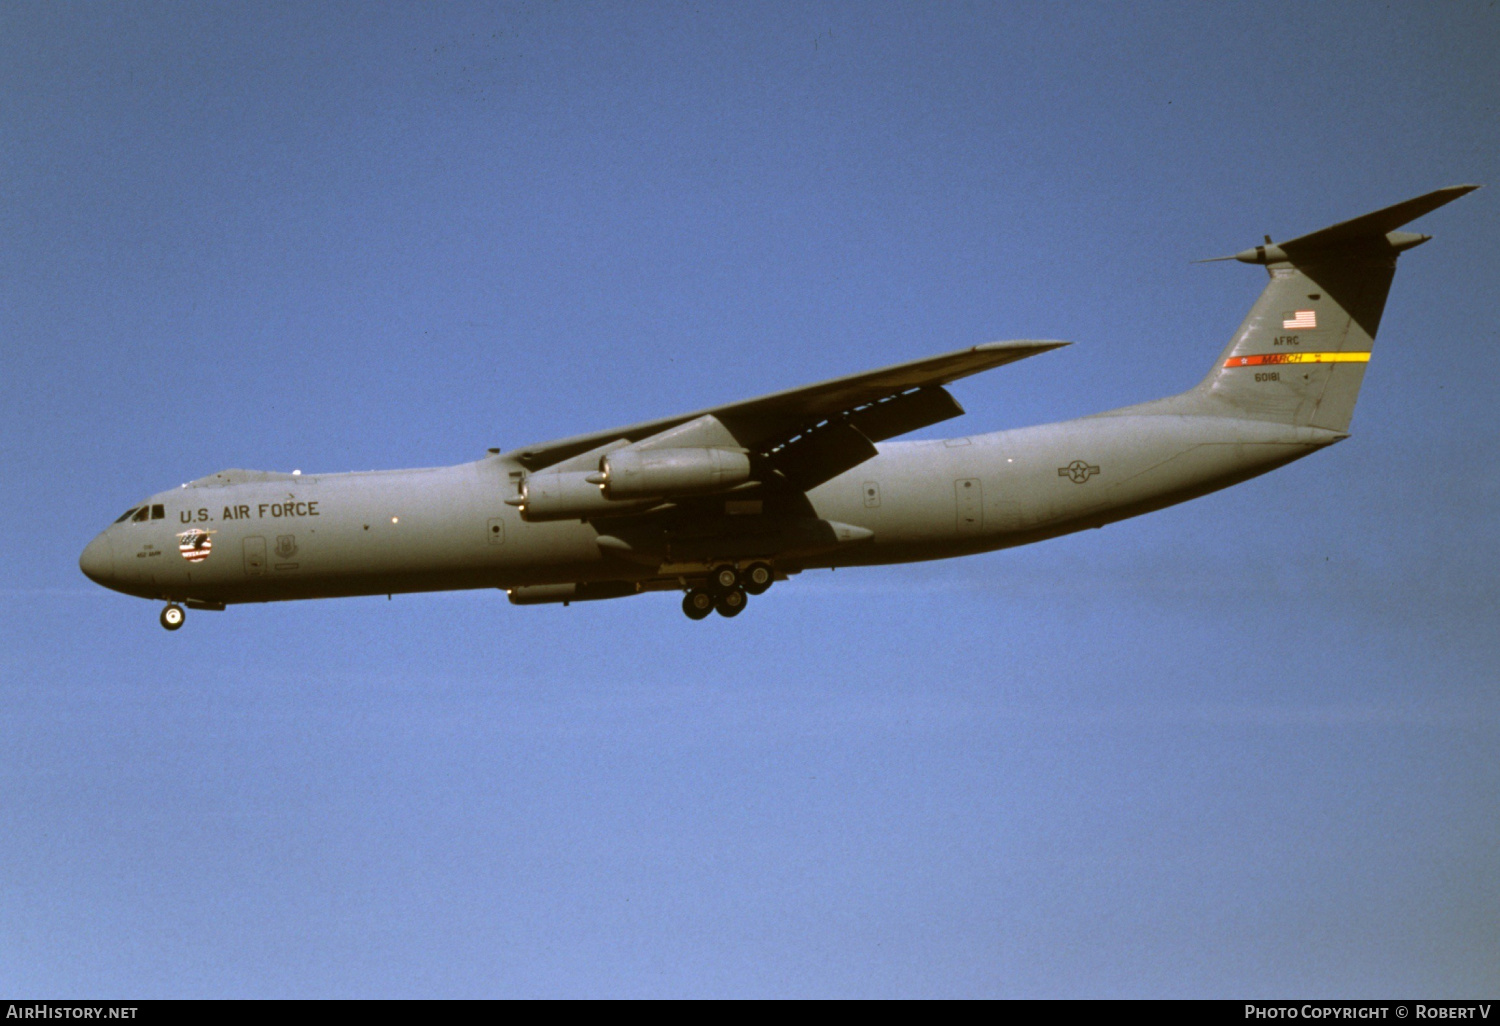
x,y
807,431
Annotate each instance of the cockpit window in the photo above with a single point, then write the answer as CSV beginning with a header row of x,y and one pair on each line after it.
x,y
144,513
158,511
126,515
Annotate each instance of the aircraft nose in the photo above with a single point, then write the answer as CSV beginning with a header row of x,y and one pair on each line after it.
x,y
98,561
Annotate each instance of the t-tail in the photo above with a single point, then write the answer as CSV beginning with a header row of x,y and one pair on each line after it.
x,y
1299,357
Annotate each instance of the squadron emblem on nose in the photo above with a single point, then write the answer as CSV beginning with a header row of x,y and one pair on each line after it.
x,y
1078,471
195,544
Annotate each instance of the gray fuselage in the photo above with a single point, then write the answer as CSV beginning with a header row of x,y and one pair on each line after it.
x,y
722,502
325,535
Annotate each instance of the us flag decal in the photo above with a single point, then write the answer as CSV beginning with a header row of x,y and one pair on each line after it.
x,y
1300,319
195,544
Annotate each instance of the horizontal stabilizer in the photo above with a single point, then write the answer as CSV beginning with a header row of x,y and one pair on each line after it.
x,y
1356,231
1376,224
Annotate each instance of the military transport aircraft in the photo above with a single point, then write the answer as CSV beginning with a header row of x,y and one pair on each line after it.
x,y
722,503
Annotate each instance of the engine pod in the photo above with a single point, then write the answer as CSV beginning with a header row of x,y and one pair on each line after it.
x,y
567,496
659,473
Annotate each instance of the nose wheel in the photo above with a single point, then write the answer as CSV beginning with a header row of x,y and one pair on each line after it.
x,y
172,616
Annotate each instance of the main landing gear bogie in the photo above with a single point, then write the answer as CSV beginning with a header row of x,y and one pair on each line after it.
x,y
727,589
172,616
699,602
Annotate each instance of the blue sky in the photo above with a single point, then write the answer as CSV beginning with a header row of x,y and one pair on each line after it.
x,y
1246,746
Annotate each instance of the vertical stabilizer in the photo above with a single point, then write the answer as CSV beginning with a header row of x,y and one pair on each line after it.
x,y
1300,355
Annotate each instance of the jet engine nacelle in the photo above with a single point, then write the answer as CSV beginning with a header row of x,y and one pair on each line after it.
x,y
662,473
567,496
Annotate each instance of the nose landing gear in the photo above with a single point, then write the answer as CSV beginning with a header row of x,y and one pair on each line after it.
x,y
172,616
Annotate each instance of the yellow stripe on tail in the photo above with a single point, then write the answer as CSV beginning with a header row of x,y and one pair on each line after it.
x,y
1277,358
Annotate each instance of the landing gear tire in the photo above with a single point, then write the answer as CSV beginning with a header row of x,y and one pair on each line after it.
x,y
724,579
731,603
758,578
172,616
697,604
